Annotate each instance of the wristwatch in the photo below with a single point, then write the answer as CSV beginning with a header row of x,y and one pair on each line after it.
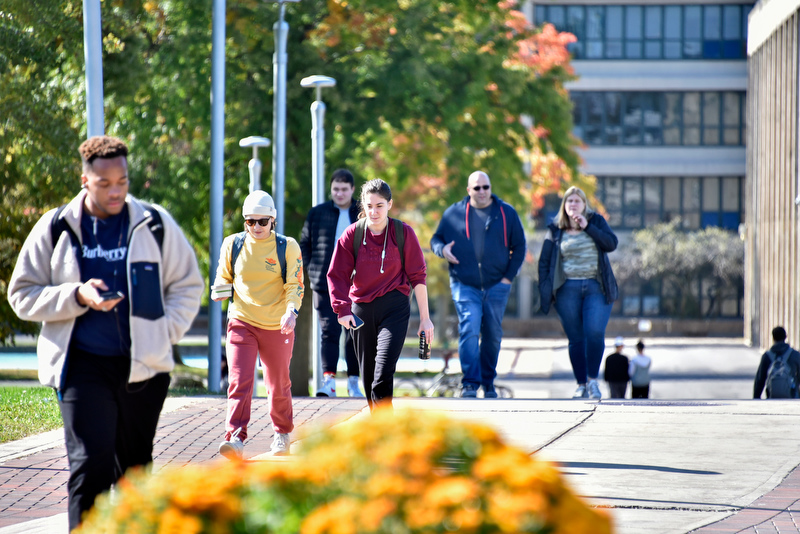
x,y
295,312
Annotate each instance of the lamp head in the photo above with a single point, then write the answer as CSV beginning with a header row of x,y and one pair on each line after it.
x,y
317,81
254,141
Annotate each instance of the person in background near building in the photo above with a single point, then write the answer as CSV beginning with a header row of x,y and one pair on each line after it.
x,y
369,279
324,225
779,369
125,288
616,370
261,321
639,370
482,239
576,277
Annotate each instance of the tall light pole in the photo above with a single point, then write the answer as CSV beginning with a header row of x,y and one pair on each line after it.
x,y
279,60
93,58
317,197
254,165
216,186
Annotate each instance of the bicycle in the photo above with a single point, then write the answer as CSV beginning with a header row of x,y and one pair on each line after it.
x,y
443,384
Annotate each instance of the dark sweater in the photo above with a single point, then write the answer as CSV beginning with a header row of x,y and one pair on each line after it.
x,y
369,283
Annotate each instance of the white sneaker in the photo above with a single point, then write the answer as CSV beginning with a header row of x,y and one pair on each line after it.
x,y
280,445
581,392
352,387
328,388
233,449
594,390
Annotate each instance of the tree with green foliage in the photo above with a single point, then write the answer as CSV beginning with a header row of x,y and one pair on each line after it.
x,y
427,91
680,260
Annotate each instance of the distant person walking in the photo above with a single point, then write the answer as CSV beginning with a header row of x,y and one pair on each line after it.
x,y
376,264
639,369
575,276
115,284
779,369
261,321
482,239
324,225
616,370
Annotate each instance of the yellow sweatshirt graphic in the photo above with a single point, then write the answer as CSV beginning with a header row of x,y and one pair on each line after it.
x,y
260,298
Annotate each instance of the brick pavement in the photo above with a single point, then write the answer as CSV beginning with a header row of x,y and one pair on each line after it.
x,y
776,512
34,486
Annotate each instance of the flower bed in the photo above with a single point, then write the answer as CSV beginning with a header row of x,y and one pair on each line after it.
x,y
401,472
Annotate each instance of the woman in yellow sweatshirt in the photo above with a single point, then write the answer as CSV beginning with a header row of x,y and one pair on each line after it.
x,y
261,321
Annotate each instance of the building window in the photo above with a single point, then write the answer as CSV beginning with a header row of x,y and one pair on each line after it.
x,y
652,32
632,203
709,118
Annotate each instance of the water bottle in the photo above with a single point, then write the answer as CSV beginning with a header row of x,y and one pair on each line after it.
x,y
424,350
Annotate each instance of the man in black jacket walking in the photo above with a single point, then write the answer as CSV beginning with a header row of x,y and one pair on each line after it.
x,y
789,358
324,224
616,370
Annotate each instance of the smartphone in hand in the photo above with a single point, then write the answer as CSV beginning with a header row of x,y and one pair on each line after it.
x,y
358,321
111,295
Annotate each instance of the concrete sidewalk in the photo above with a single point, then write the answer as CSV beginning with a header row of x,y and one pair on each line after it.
x,y
658,466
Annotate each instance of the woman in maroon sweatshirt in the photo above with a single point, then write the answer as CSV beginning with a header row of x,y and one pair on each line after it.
x,y
374,284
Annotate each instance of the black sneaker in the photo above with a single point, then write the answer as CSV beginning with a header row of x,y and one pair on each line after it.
x,y
469,391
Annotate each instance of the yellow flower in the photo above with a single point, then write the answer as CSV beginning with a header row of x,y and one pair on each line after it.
x,y
451,491
175,522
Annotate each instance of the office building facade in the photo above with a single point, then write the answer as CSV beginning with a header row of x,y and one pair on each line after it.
x,y
660,105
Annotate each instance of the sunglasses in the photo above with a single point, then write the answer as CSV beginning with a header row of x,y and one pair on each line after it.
x,y
479,187
262,222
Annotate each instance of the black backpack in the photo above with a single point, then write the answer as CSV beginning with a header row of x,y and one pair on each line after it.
x,y
280,242
361,226
780,378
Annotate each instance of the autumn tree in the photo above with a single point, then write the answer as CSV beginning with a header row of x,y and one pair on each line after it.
x,y
427,91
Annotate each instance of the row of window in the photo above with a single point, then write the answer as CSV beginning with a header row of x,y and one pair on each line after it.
x,y
708,297
709,118
651,32
637,202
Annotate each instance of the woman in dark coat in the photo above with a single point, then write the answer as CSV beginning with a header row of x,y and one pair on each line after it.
x,y
575,276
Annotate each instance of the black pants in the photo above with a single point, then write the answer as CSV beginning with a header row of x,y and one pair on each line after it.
x,y
331,330
617,389
640,392
379,342
109,424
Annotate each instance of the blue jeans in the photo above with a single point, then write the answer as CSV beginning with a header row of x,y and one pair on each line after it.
x,y
582,308
480,330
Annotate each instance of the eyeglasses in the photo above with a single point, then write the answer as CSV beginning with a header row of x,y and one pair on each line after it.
x,y
262,222
479,187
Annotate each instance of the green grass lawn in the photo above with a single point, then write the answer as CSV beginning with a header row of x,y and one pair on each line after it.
x,y
25,411
29,410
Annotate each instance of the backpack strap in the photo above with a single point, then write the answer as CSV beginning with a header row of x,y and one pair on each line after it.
x,y
361,226
155,224
58,226
280,243
238,243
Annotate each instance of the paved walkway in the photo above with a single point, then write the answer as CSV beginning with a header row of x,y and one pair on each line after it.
x,y
658,466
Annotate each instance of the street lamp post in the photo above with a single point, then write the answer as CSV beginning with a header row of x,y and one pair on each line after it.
x,y
254,165
279,60
317,197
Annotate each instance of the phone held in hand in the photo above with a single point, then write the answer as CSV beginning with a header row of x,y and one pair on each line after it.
x,y
111,295
424,348
358,321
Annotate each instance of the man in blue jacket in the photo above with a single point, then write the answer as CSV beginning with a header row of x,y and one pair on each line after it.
x,y
482,238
